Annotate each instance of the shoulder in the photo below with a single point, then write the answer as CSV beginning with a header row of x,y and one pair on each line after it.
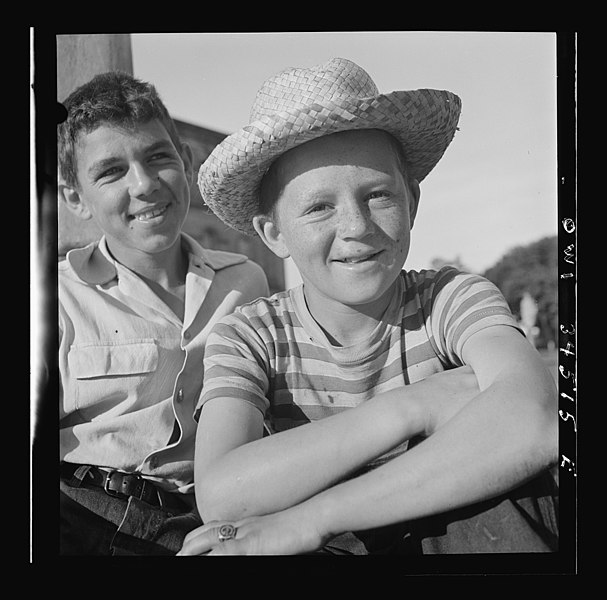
x,y
464,304
87,265
250,272
73,270
447,281
268,308
243,274
247,278
421,288
264,313
252,329
430,280
462,285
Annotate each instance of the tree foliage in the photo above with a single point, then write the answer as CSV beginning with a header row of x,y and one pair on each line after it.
x,y
533,269
439,262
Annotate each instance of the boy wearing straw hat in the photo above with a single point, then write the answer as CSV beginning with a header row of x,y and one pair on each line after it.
x,y
408,413
135,309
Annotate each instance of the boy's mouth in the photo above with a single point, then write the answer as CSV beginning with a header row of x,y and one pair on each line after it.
x,y
150,214
353,260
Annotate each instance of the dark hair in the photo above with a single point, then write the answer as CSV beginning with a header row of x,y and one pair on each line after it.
x,y
114,98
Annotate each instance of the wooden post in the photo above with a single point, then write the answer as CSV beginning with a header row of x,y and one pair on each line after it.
x,y
79,58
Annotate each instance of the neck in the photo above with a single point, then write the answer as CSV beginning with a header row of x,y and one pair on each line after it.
x,y
346,325
166,269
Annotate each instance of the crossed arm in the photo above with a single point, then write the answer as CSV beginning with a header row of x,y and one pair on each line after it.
x,y
286,495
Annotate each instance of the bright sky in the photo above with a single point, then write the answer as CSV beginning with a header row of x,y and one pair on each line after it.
x,y
494,189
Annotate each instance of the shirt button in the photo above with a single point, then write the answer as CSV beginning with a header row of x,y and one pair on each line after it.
x,y
187,335
179,395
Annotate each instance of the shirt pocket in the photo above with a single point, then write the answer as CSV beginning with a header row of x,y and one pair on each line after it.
x,y
108,376
132,358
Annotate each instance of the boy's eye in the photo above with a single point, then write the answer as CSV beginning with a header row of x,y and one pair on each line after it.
x,y
160,156
318,208
379,194
112,171
381,198
165,155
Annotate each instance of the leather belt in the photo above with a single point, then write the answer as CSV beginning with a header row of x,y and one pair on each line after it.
x,y
121,485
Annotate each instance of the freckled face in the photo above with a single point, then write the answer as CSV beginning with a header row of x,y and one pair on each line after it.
x,y
135,185
345,215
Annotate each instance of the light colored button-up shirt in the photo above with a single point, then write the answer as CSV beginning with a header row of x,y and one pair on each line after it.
x,y
131,371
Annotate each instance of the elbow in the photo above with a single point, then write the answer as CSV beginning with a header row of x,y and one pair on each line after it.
x,y
546,443
544,430
220,499
551,423
207,507
213,501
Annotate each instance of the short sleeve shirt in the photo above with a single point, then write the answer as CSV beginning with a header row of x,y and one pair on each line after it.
x,y
272,354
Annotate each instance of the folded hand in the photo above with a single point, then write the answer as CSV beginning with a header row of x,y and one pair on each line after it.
x,y
276,534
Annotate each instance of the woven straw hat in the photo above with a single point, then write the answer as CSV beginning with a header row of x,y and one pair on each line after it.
x,y
298,105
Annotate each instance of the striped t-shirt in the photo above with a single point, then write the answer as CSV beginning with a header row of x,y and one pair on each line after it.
x,y
272,353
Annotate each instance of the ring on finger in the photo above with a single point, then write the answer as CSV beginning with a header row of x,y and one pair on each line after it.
x,y
226,532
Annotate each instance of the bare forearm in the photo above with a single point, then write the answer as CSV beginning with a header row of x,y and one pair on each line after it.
x,y
491,446
284,469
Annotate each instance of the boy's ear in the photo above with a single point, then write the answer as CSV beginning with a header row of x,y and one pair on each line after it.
x,y
270,235
73,200
188,161
414,204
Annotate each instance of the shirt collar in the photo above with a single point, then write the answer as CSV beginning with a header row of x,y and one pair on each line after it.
x,y
95,265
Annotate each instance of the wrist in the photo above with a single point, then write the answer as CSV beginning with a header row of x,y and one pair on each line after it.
x,y
413,414
320,518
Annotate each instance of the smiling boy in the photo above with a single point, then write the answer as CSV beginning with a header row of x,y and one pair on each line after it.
x,y
135,309
363,360
323,226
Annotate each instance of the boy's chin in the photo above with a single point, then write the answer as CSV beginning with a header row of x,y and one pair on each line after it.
x,y
153,245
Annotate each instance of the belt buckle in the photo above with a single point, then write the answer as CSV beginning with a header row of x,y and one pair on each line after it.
x,y
114,493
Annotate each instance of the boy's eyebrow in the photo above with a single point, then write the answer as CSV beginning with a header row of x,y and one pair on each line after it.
x,y
101,165
161,145
104,163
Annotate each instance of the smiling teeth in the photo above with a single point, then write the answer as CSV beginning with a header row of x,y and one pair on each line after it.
x,y
146,216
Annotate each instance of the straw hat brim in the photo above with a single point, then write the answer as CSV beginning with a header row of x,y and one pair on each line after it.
x,y
424,121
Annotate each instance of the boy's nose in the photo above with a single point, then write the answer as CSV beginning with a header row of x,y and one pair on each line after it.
x,y
355,222
142,181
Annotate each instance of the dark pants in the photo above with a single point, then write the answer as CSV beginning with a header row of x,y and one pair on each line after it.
x,y
93,523
523,520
